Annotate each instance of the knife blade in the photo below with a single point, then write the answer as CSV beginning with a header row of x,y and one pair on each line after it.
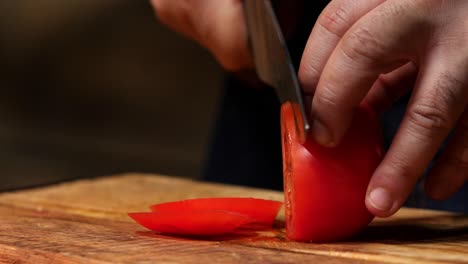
x,y
272,60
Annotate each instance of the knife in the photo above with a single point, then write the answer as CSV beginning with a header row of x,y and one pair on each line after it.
x,y
272,60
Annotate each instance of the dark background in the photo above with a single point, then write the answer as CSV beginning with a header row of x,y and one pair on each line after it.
x,y
91,88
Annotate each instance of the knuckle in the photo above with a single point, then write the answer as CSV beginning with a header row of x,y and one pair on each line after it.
x,y
438,110
362,44
429,119
399,167
327,97
334,20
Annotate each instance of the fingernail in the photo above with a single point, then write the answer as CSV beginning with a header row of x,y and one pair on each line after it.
x,y
381,199
321,134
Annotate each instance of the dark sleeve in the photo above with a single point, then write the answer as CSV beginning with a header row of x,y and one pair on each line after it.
x,y
246,143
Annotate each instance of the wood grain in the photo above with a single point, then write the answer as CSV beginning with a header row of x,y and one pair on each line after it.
x,y
86,222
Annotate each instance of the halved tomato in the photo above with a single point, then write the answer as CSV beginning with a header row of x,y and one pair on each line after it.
x,y
325,188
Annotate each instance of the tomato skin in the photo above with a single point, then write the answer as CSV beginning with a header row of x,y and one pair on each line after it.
x,y
325,188
259,210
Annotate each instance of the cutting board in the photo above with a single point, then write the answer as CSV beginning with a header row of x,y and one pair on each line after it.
x,y
86,222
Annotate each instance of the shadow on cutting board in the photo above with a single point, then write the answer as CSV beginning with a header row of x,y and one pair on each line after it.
x,y
422,230
450,228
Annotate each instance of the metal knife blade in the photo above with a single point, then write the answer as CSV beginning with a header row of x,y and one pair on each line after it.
x,y
272,60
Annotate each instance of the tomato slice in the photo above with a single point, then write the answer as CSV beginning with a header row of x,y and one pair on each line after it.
x,y
194,223
208,216
259,210
325,188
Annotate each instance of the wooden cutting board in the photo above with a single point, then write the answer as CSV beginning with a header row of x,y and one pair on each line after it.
x,y
85,222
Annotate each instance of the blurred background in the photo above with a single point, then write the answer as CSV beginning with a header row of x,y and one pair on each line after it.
x,y
93,88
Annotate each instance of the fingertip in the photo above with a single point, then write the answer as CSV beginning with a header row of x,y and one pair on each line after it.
x,y
389,187
322,134
380,202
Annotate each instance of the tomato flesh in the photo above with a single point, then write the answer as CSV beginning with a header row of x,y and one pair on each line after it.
x,y
198,223
259,210
325,188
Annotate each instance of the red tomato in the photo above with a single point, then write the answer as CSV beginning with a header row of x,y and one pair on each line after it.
x,y
259,210
325,188
208,216
195,223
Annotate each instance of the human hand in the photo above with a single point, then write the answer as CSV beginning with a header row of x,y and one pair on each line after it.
x,y
372,51
217,25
